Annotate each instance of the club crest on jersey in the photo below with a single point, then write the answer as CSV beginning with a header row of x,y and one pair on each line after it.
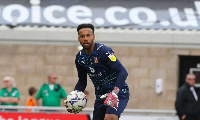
x,y
96,60
112,57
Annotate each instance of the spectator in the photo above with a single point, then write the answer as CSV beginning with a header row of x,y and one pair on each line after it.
x,y
187,101
51,93
9,95
31,100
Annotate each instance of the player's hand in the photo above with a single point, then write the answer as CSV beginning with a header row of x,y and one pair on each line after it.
x,y
112,98
71,110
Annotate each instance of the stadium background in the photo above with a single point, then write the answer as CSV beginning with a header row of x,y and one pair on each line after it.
x,y
31,63
29,52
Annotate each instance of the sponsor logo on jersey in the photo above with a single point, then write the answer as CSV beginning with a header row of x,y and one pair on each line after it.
x,y
112,57
92,70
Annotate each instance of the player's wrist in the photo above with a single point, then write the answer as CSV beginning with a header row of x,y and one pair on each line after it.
x,y
116,90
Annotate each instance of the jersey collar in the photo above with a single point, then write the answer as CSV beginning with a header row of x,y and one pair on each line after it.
x,y
95,48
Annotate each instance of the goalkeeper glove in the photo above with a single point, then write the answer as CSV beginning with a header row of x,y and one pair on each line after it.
x,y
112,98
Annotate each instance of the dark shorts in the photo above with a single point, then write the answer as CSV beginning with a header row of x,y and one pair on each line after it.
x,y
100,109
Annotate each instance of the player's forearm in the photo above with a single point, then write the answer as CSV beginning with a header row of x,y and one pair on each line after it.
x,y
122,75
80,86
82,75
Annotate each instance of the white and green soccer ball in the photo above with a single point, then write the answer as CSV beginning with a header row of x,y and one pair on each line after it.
x,y
76,100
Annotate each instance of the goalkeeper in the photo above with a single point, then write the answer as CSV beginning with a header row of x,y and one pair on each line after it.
x,y
106,72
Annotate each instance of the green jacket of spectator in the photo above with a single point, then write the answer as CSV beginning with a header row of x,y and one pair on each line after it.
x,y
51,97
14,93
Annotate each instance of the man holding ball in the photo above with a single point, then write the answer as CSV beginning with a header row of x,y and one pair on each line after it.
x,y
106,72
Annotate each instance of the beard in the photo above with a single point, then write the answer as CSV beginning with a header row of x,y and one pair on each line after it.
x,y
87,47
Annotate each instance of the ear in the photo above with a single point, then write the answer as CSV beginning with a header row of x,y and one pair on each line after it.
x,y
94,37
78,38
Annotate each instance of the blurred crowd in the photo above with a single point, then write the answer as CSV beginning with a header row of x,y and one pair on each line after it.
x,y
51,93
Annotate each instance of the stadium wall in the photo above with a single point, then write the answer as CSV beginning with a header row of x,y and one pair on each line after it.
x,y
30,55
30,65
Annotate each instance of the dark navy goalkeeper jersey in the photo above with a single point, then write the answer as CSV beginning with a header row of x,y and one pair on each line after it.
x,y
103,68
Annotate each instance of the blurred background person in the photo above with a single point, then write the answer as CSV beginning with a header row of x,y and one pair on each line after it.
x,y
51,93
31,100
9,95
188,101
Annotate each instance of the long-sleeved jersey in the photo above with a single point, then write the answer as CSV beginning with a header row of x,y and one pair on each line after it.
x,y
103,68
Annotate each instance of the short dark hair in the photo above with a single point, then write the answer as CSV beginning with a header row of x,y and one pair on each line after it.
x,y
32,90
85,25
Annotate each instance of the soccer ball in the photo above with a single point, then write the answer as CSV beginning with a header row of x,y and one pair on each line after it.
x,y
76,100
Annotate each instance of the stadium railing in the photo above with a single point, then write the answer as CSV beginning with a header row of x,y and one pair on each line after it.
x,y
87,110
